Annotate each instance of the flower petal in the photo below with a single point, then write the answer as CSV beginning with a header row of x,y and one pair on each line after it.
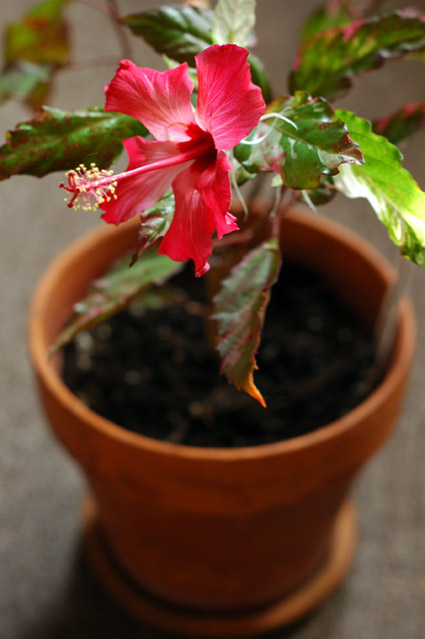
x,y
189,236
139,192
202,195
229,104
214,186
159,99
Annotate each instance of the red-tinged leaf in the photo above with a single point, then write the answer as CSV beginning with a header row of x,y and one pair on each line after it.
x,y
155,222
326,62
40,37
116,290
35,48
40,94
57,140
27,82
300,139
239,309
334,14
403,123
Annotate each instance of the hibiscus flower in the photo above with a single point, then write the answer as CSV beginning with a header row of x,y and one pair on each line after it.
x,y
188,153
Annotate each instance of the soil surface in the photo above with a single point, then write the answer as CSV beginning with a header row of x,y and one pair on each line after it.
x,y
152,371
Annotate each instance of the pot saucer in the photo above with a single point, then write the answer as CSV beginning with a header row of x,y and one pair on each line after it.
x,y
156,612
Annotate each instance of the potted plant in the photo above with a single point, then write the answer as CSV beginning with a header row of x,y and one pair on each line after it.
x,y
206,538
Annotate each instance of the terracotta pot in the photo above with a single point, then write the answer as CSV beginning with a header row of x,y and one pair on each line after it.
x,y
215,541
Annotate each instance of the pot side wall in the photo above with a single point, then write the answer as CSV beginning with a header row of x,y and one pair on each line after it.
x,y
221,529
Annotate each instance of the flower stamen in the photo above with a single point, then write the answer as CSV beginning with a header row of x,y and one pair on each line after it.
x,y
92,187
89,187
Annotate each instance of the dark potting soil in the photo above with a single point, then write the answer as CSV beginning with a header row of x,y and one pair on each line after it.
x,y
152,372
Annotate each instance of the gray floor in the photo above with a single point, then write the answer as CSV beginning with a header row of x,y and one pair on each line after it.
x,y
46,591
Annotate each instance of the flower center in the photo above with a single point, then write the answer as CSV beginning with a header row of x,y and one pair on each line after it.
x,y
89,187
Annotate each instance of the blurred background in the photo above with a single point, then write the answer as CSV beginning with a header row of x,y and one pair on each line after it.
x,y
46,590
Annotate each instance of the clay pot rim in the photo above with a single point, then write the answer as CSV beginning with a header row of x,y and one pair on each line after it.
x,y
401,357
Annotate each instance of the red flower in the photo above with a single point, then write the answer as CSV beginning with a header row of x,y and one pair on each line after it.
x,y
188,153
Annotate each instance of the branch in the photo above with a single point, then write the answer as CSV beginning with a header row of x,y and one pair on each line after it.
x,y
120,31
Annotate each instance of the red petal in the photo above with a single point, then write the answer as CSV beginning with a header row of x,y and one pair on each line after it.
x,y
202,193
214,186
189,236
139,192
229,104
159,99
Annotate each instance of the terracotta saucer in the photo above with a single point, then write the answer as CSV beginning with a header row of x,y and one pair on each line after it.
x,y
156,612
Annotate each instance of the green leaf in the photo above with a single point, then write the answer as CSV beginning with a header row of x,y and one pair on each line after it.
x,y
155,223
239,310
57,140
326,62
233,22
116,290
392,192
403,123
180,32
332,15
302,142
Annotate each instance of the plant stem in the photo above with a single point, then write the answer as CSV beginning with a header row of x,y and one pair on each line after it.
x,y
283,200
97,5
255,187
275,212
120,31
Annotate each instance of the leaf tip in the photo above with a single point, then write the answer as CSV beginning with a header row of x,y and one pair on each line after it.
x,y
253,391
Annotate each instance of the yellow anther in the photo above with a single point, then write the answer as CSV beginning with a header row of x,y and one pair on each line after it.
x,y
90,187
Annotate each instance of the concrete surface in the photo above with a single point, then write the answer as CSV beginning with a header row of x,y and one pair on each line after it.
x,y
46,591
